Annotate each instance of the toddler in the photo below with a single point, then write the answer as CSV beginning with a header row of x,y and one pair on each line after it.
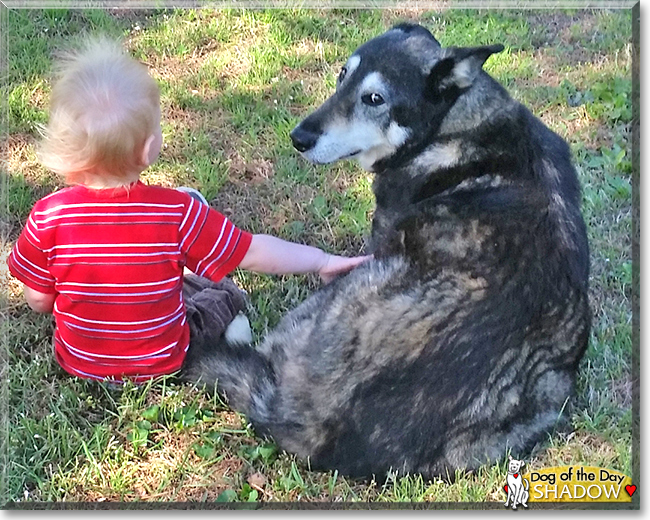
x,y
106,255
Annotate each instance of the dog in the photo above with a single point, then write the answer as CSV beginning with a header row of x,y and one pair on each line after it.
x,y
517,487
462,337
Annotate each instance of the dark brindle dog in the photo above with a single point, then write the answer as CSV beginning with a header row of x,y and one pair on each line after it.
x,y
462,338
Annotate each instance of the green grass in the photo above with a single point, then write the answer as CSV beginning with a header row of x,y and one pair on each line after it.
x,y
233,84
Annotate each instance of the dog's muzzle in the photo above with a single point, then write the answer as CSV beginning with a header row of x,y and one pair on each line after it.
x,y
302,139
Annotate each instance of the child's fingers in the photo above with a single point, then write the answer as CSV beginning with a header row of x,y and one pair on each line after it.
x,y
341,264
327,278
345,263
361,259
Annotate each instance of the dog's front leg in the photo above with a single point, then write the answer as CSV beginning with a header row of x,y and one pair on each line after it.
x,y
516,499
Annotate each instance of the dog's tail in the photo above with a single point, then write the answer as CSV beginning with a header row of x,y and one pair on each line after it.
x,y
238,372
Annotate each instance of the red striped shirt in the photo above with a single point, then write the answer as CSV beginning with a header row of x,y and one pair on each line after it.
x,y
114,258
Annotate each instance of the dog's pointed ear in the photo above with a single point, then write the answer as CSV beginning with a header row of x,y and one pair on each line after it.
x,y
459,67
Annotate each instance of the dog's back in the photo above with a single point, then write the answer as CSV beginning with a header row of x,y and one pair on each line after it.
x,y
462,338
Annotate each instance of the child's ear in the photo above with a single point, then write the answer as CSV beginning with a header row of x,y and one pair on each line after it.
x,y
459,68
148,154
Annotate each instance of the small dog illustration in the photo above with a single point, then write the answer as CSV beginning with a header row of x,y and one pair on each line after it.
x,y
517,487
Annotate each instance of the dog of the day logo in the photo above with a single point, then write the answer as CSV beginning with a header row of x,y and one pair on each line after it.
x,y
517,487
566,484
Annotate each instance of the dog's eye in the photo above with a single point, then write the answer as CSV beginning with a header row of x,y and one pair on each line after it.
x,y
373,99
342,74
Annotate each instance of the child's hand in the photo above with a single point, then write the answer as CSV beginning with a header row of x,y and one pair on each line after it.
x,y
335,265
272,255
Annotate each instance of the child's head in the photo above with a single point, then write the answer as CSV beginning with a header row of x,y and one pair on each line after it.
x,y
104,115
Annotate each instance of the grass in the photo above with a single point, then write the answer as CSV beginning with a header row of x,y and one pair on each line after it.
x,y
234,82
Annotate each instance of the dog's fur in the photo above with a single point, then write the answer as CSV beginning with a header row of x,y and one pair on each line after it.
x,y
462,338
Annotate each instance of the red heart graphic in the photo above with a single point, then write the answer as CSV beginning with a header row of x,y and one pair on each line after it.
x,y
630,489
505,488
516,475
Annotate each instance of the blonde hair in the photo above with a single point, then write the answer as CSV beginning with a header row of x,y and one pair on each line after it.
x,y
104,106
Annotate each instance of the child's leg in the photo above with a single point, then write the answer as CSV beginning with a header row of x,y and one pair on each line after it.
x,y
211,306
194,284
211,309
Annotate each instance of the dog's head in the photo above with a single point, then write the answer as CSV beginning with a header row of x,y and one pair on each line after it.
x,y
514,465
393,89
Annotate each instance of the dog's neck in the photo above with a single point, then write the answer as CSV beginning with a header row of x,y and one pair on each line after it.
x,y
450,162
478,104
471,138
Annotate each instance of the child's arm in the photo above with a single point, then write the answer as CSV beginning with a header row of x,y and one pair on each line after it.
x,y
38,301
272,255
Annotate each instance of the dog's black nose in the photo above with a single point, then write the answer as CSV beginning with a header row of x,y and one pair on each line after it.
x,y
302,139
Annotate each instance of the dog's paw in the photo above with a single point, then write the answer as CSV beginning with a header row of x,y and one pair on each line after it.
x,y
239,331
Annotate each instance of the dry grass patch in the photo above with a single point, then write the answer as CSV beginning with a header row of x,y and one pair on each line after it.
x,y
12,289
547,72
550,28
174,473
574,125
234,60
178,123
411,14
261,207
621,392
18,155
249,172
172,69
578,448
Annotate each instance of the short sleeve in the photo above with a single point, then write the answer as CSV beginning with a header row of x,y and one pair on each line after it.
x,y
28,261
213,246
